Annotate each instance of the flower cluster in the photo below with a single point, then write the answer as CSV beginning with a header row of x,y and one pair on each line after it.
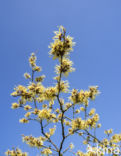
x,y
34,142
46,152
15,152
23,92
46,114
32,61
62,44
116,138
65,67
83,96
79,124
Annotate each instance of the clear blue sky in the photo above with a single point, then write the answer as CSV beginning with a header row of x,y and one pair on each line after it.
x,y
28,25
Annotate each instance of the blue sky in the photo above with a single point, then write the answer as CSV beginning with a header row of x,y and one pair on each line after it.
x,y
28,25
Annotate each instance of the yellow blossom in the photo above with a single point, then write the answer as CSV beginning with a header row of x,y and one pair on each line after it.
x,y
52,130
50,93
37,68
32,60
27,76
77,111
62,87
99,125
82,109
92,112
93,92
15,152
78,123
46,151
27,107
23,120
40,78
27,114
33,142
62,44
15,105
109,131
65,67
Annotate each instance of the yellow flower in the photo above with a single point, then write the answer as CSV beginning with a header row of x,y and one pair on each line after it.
x,y
78,123
15,105
67,123
77,111
27,114
68,105
57,110
96,117
99,125
62,44
79,153
46,151
40,78
109,131
52,130
22,91
34,142
62,87
23,120
65,67
37,89
85,142
50,93
27,107
82,109
44,114
32,60
74,96
27,76
93,92
36,111
92,112
37,68
15,152
80,97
